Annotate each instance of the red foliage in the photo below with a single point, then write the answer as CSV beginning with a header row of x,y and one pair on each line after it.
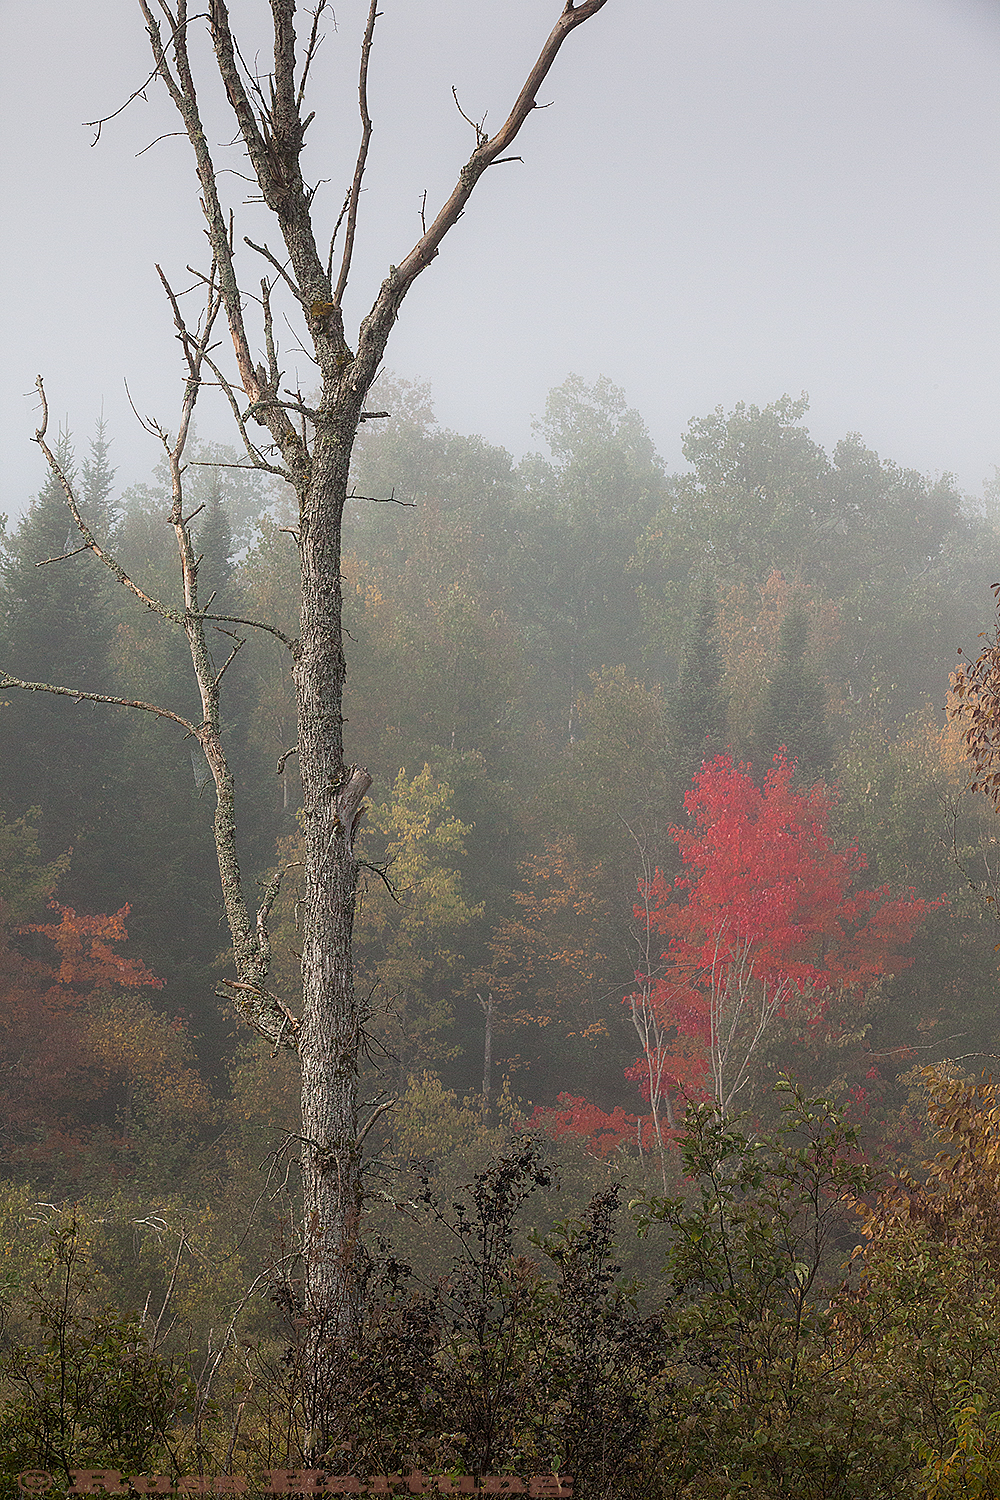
x,y
604,1132
769,904
51,1077
770,921
86,957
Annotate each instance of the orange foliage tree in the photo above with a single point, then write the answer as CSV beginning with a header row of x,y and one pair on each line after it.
x,y
74,1037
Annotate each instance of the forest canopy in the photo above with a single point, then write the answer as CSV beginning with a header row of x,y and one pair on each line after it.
x,y
657,758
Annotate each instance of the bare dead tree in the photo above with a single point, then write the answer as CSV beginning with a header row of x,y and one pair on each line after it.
x,y
311,448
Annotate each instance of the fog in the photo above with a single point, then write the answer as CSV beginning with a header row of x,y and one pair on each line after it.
x,y
721,202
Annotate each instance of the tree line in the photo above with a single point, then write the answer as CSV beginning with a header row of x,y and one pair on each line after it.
x,y
549,831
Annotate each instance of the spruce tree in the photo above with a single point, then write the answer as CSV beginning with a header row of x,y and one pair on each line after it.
x,y
57,625
215,544
98,479
793,710
697,715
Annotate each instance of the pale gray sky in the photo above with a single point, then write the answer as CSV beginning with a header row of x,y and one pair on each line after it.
x,y
727,200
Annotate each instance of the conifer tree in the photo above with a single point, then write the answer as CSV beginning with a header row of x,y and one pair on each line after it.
x,y
793,711
697,711
215,544
98,479
55,617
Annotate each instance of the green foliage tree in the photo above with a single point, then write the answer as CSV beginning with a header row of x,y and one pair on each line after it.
x,y
25,882
92,1393
757,477
765,1400
407,929
581,520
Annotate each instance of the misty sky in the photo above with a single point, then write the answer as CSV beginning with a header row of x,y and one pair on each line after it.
x,y
727,200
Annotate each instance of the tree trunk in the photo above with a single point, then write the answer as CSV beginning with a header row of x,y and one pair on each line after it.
x,y
489,1007
328,1049
316,461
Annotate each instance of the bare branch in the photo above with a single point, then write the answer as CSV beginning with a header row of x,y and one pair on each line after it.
x,y
229,660
274,373
167,136
359,169
376,326
182,92
263,250
387,1104
259,461
7,681
90,541
336,230
144,422
264,912
286,640
139,93
481,136
283,757
383,499
62,556
311,50
264,1011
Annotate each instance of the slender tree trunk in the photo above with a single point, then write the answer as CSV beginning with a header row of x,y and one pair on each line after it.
x,y
489,1008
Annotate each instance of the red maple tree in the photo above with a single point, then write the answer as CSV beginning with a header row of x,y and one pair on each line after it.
x,y
771,924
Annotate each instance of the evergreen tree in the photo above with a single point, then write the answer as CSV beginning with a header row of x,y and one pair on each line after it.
x,y
215,544
793,711
98,478
57,625
697,712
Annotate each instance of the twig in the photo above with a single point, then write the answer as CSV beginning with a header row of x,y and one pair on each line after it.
x,y
88,537
481,136
63,556
336,230
229,661
263,250
140,93
165,137
311,50
383,499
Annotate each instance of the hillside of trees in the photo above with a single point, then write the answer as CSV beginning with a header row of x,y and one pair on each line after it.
x,y
678,935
